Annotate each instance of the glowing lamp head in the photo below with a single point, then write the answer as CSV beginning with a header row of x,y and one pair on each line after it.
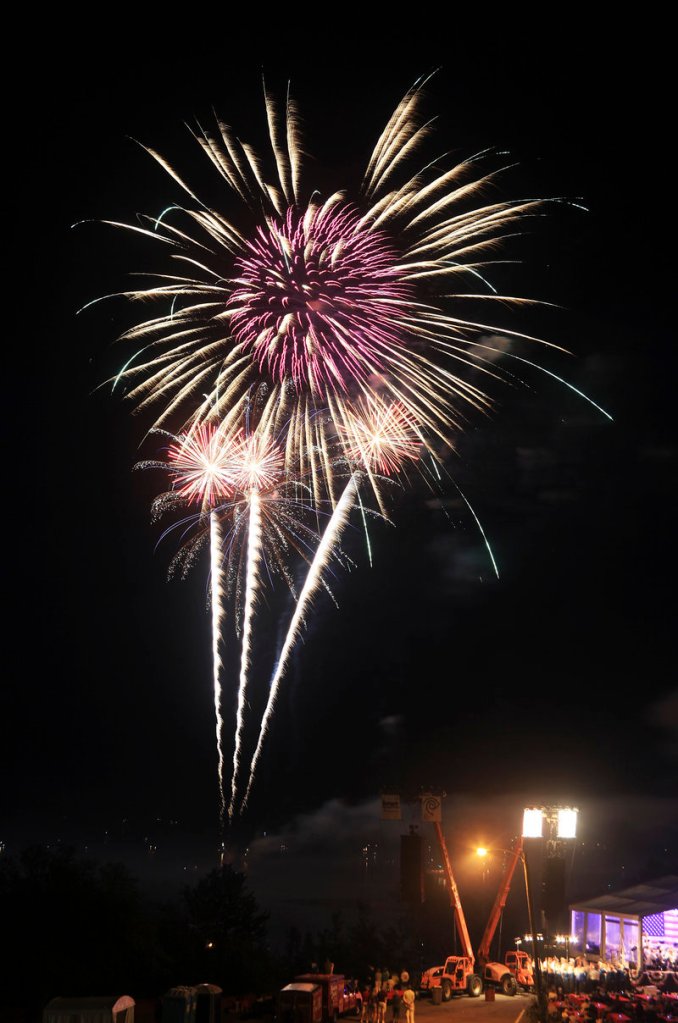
x,y
482,852
567,822
532,822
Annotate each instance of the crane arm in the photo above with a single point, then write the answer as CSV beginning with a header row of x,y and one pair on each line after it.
x,y
455,901
499,903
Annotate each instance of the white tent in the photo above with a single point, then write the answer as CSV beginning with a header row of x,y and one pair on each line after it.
x,y
105,1009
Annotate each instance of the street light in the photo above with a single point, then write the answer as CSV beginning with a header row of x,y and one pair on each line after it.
x,y
519,854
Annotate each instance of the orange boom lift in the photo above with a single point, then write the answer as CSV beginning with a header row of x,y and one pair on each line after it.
x,y
459,974
519,963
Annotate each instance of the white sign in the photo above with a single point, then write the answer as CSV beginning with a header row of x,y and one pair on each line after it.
x,y
390,808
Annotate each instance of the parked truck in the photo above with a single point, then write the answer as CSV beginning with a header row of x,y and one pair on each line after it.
x,y
300,1002
316,998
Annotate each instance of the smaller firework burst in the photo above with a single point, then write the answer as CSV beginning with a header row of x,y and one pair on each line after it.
x,y
380,436
256,463
201,464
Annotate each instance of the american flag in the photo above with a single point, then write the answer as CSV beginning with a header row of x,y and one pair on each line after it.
x,y
662,925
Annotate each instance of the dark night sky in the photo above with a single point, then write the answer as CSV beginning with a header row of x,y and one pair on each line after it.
x,y
554,682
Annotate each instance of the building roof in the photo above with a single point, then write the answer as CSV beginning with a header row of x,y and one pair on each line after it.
x,y
644,899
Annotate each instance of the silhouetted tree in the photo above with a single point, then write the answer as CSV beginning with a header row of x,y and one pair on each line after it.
x,y
228,933
73,927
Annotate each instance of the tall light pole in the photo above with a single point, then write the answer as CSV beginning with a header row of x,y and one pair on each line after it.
x,y
555,825
539,987
518,853
561,822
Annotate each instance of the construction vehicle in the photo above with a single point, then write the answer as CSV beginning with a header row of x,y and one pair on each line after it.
x,y
460,975
430,978
519,963
316,998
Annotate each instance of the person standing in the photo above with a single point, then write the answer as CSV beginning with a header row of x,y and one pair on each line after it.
x,y
365,1004
396,1002
408,1002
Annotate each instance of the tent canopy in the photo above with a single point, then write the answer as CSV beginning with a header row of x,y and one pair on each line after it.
x,y
656,896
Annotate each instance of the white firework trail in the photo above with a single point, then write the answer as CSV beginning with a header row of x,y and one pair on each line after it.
x,y
254,548
326,547
217,595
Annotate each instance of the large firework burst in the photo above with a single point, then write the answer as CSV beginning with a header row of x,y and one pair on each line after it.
x,y
330,318
324,300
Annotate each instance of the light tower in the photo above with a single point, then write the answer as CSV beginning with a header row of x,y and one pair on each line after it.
x,y
556,825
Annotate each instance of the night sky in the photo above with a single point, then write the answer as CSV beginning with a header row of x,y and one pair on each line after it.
x,y
553,683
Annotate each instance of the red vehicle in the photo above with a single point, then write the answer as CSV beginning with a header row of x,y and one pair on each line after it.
x,y
520,965
300,1003
431,978
316,998
460,975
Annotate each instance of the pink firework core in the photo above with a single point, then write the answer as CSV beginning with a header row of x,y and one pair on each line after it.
x,y
319,299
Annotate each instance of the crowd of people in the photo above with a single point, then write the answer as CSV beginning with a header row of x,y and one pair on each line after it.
x,y
660,956
599,992
386,997
579,976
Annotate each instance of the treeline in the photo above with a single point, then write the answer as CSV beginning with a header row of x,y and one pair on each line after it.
x,y
356,948
77,927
